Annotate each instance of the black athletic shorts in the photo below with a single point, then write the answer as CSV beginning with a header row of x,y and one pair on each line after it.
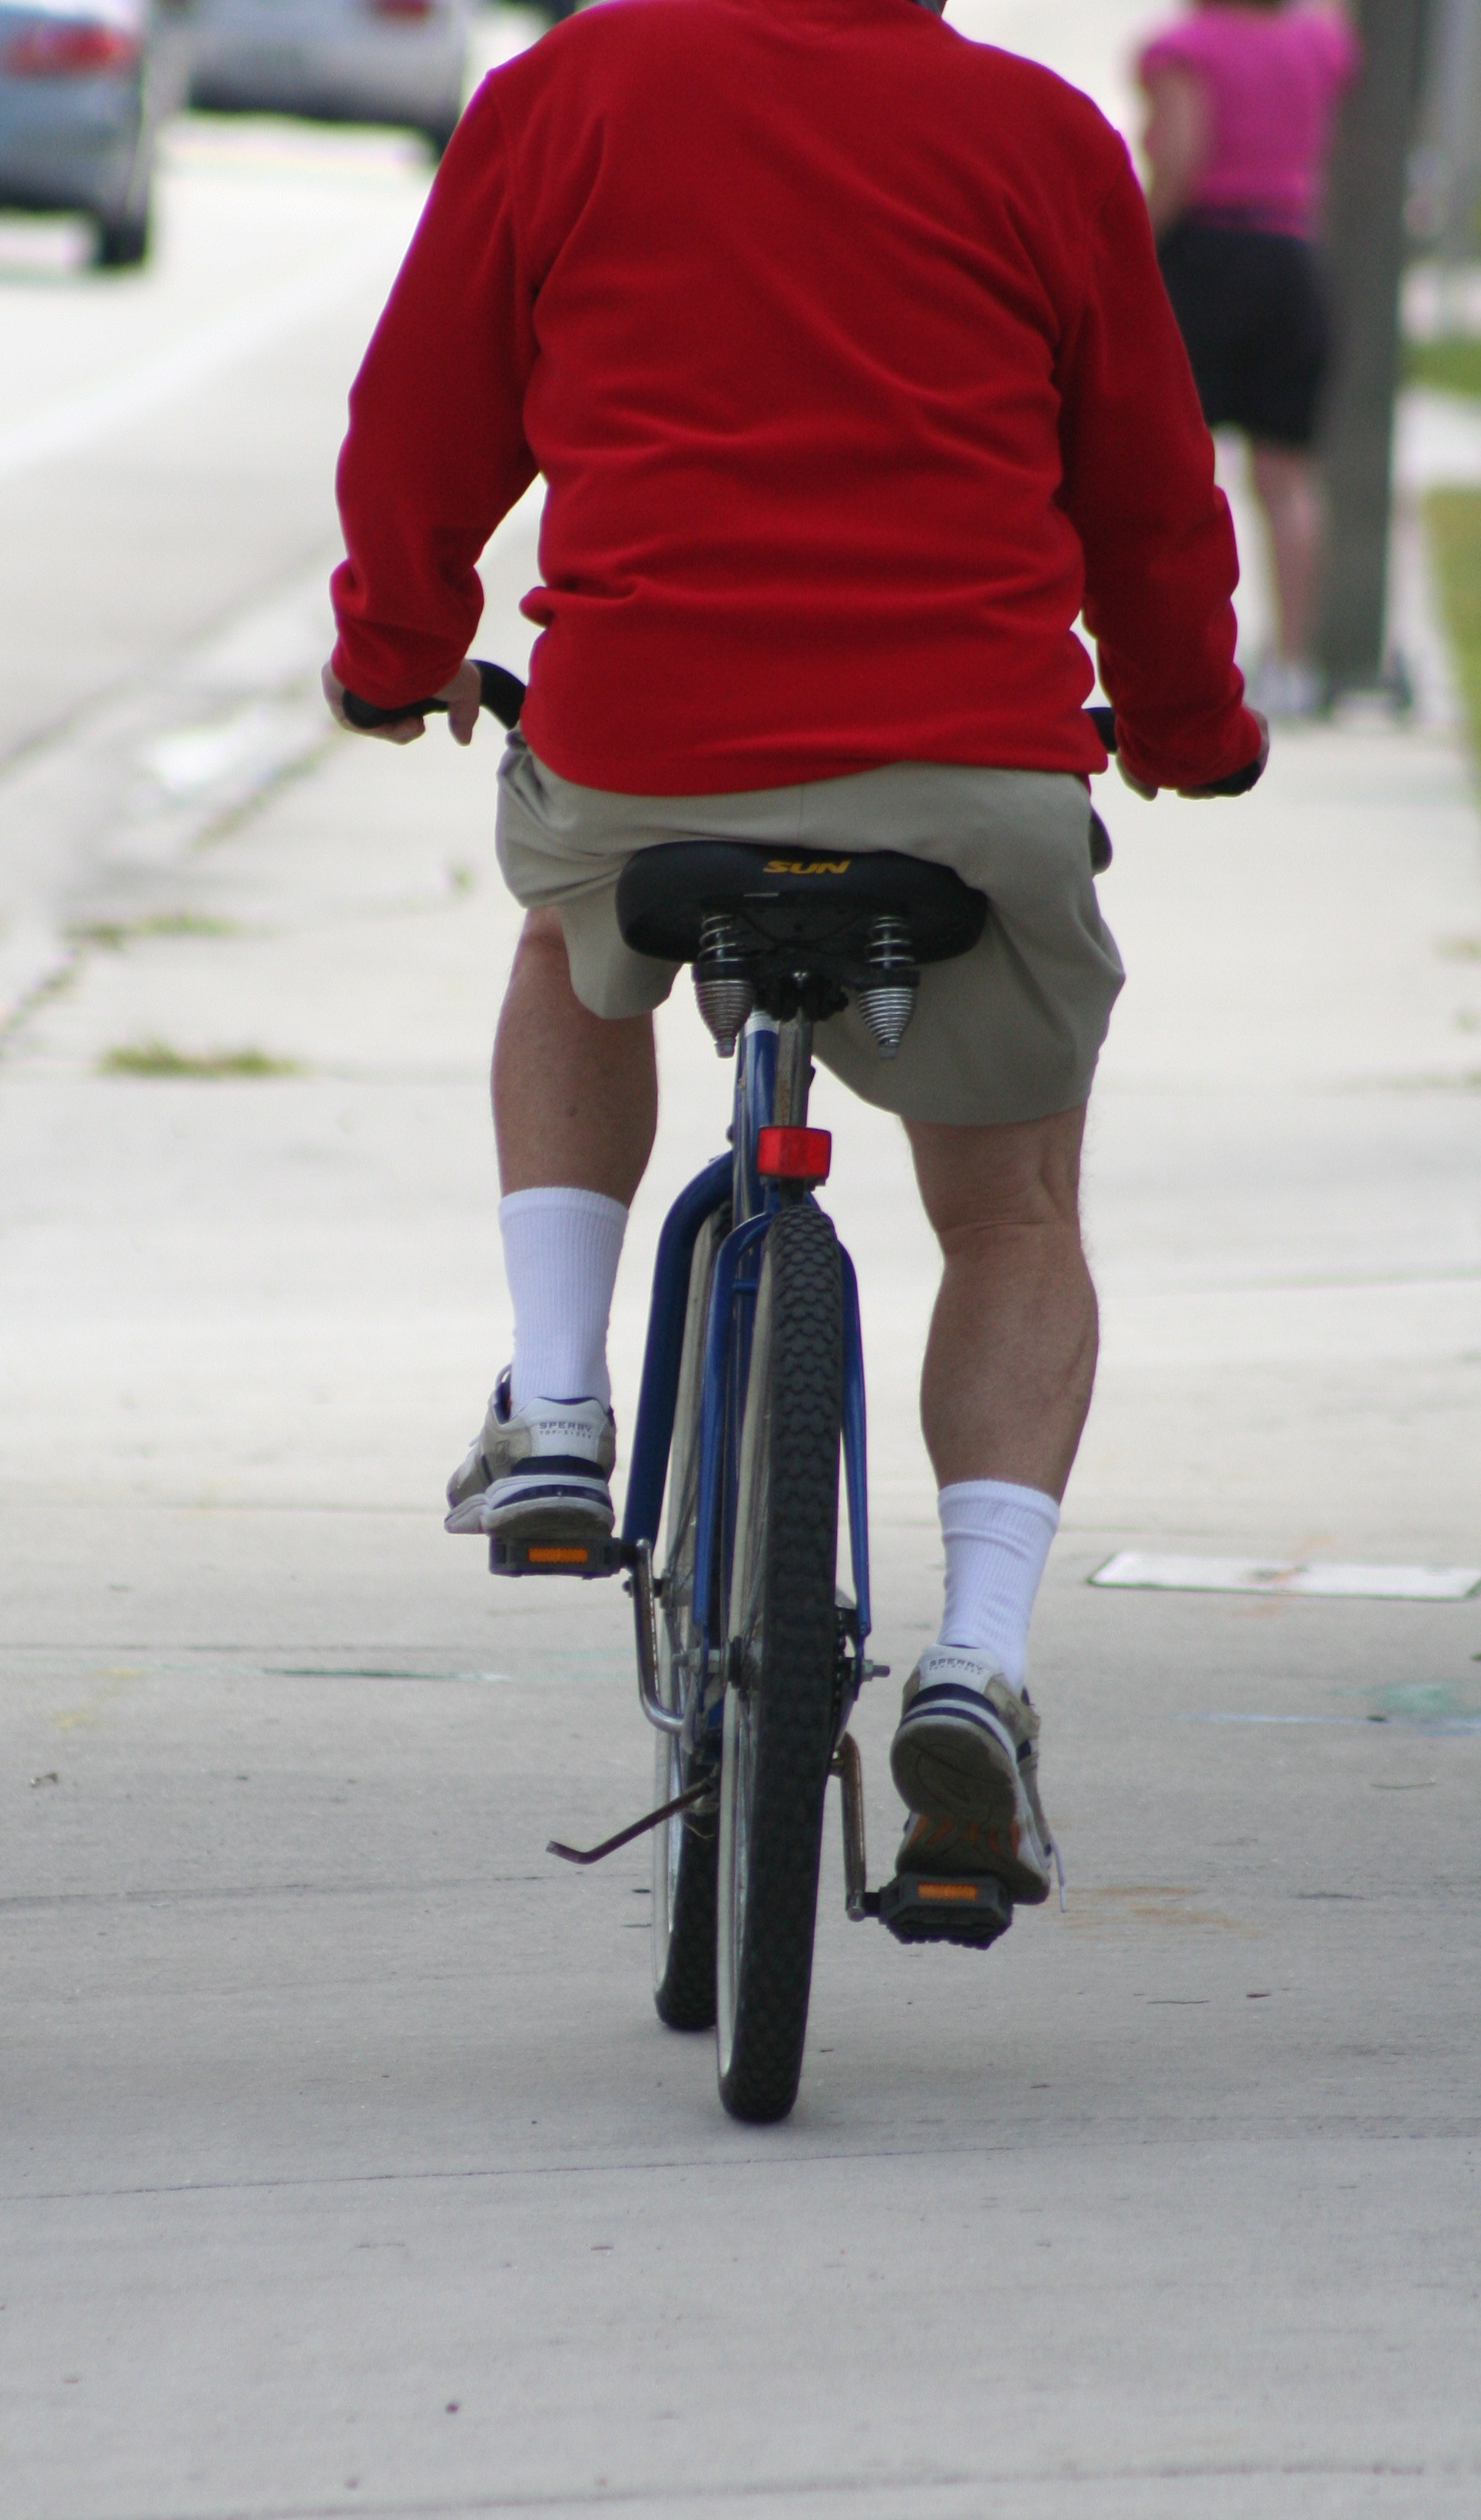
x,y
1252,312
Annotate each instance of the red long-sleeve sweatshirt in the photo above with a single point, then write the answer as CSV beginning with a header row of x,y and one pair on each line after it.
x,y
840,343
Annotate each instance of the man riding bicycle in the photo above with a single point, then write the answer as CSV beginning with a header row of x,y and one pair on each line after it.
x,y
840,344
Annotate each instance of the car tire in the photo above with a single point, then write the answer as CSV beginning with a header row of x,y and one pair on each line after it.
x,y
122,240
437,135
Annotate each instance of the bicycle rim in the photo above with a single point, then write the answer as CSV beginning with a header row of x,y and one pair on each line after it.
x,y
683,1848
780,1633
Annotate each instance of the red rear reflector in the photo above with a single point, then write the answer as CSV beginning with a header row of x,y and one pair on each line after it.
x,y
70,48
793,1155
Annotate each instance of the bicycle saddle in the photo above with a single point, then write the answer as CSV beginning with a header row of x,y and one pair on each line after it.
x,y
783,899
795,931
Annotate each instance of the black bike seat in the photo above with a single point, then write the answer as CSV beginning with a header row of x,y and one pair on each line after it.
x,y
791,896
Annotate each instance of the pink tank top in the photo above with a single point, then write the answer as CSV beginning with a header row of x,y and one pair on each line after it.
x,y
1274,77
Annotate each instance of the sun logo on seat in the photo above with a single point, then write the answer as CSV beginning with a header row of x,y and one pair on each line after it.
x,y
807,866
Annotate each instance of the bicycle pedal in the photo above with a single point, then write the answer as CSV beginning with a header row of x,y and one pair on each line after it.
x,y
507,1555
919,1908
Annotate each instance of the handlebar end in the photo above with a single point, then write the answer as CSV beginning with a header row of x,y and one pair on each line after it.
x,y
500,692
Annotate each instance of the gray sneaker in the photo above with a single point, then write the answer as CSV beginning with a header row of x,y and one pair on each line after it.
x,y
541,1471
966,1760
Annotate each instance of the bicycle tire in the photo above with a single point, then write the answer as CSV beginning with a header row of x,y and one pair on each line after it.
x,y
683,1847
779,1700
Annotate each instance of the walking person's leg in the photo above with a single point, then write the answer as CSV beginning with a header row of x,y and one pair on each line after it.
x,y
1285,483
1278,406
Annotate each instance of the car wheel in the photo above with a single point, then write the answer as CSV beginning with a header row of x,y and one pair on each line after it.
x,y
437,134
122,240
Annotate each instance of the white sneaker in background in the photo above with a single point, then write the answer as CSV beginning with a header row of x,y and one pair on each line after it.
x,y
1287,687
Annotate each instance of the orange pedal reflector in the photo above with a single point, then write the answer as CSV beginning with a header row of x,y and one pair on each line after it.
x,y
793,1155
947,1890
545,1554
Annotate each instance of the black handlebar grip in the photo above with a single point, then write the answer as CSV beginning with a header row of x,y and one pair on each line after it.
x,y
500,692
366,716
1238,782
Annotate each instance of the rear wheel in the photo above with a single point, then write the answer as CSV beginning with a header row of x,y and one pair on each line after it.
x,y
683,1847
439,132
122,240
780,1702
122,234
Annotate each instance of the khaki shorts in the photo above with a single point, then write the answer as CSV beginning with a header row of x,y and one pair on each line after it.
x,y
1011,1031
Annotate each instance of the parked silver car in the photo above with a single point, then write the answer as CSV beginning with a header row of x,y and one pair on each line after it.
x,y
84,85
402,62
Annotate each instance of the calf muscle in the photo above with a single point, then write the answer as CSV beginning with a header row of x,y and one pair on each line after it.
x,y
1011,1359
575,1095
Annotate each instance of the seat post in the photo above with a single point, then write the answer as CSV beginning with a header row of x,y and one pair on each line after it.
x,y
794,1073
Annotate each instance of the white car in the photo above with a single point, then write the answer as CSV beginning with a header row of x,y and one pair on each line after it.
x,y
402,62
84,85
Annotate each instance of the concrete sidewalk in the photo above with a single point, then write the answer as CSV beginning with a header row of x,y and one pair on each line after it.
x,y
346,2166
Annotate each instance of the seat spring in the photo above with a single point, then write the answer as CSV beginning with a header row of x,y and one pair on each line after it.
x,y
723,986
890,1001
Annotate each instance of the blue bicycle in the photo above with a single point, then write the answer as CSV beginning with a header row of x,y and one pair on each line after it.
x,y
749,1655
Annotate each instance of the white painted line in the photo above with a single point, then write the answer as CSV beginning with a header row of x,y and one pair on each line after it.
x,y
82,420
1426,1724
1133,1571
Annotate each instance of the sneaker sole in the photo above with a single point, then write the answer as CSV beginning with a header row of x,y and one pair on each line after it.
x,y
949,1768
558,1515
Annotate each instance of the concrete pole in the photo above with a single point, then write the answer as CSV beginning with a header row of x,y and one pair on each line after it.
x,y
1366,230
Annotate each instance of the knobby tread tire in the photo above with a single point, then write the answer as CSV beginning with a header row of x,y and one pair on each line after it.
x,y
683,1997
796,1376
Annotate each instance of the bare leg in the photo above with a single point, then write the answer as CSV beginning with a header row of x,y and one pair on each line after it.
x,y
1286,487
575,1095
1010,1360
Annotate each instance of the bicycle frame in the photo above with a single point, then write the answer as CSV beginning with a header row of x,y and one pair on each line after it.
x,y
772,1074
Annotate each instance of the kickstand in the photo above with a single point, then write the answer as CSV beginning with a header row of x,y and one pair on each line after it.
x,y
699,1797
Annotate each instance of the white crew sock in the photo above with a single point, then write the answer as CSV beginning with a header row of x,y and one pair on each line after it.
x,y
560,1254
997,1539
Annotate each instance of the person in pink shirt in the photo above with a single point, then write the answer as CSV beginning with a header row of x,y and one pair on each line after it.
x,y
1244,97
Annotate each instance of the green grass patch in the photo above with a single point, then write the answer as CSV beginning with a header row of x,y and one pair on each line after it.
x,y
1453,519
114,934
157,1059
1453,362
